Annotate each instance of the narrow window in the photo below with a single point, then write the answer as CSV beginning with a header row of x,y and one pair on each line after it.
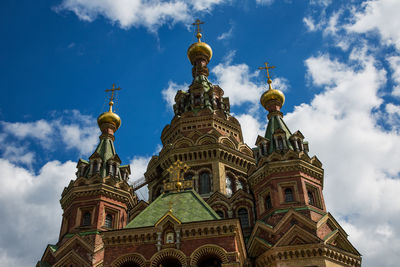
x,y
204,183
228,186
220,213
109,221
268,203
239,185
280,143
86,219
299,144
288,195
310,198
243,217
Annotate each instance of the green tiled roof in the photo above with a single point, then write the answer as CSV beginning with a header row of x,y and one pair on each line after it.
x,y
187,206
276,122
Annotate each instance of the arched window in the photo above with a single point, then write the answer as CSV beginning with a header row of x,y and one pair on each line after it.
x,y
229,184
239,185
310,198
288,195
220,213
280,143
109,221
299,144
243,217
86,221
95,167
209,261
268,202
204,183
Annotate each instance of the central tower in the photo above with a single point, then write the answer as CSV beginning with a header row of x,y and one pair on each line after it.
x,y
204,135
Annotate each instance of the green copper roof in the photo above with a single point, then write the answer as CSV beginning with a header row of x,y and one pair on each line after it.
x,y
105,149
276,122
187,206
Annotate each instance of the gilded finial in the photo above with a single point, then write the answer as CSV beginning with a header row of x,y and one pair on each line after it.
x,y
272,100
110,117
176,170
198,23
112,90
269,81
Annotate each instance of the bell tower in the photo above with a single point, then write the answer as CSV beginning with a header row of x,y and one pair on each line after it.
x,y
293,227
99,199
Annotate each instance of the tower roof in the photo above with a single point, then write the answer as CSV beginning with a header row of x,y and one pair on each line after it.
x,y
184,206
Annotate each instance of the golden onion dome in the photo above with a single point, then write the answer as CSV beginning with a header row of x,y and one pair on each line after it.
x,y
272,94
199,48
109,117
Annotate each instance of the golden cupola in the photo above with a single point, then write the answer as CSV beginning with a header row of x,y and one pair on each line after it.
x,y
109,117
199,51
272,99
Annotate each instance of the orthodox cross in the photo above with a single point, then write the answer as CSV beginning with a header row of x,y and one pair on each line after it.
x,y
112,90
176,171
267,68
198,23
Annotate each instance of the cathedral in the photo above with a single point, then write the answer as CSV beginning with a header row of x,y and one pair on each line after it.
x,y
213,200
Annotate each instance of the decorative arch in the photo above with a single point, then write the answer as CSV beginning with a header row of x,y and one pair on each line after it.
x,y
134,257
208,250
183,142
227,142
205,140
168,253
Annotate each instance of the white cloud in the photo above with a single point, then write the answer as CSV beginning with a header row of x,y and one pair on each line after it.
x,y
40,130
264,2
136,13
138,168
169,93
394,62
237,82
251,128
378,16
30,210
226,35
360,158
310,24
70,129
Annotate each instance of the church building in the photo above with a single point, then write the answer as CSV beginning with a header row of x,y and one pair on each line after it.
x,y
213,200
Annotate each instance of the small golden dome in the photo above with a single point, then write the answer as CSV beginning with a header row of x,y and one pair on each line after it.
x,y
272,94
199,48
109,117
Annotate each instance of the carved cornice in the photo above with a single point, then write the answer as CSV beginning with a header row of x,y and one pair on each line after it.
x,y
285,166
189,231
97,190
290,253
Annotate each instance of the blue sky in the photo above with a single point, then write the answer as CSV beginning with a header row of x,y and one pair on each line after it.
x,y
338,63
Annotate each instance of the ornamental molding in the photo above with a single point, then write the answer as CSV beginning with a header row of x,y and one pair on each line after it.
x,y
208,250
134,257
100,190
157,258
286,166
189,231
290,253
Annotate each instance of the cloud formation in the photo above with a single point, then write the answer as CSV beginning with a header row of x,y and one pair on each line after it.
x,y
70,129
30,211
150,14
